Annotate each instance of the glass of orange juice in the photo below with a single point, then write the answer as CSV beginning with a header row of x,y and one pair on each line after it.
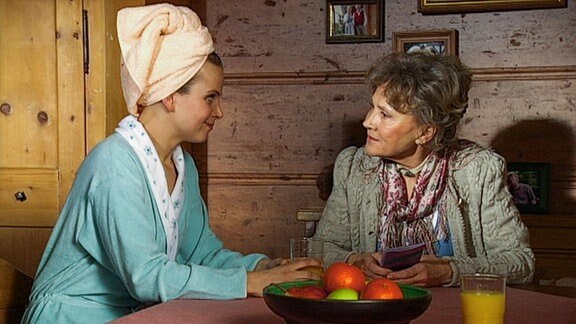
x,y
483,298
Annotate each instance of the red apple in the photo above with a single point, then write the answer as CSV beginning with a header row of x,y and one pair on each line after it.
x,y
311,292
381,288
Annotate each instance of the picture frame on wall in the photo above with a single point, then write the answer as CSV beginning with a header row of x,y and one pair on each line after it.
x,y
529,184
455,6
354,21
437,41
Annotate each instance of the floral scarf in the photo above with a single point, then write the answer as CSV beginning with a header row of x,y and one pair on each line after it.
x,y
406,221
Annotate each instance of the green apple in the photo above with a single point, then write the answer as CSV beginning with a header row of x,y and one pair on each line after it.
x,y
343,294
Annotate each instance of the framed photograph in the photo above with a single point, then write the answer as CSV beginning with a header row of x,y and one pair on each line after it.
x,y
354,21
437,41
455,6
529,184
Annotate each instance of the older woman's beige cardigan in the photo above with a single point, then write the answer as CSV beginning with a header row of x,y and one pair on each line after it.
x,y
486,230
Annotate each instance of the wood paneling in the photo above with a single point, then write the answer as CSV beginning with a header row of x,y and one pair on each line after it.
x,y
29,87
41,79
552,239
14,290
40,206
23,247
70,90
284,130
258,217
286,36
104,98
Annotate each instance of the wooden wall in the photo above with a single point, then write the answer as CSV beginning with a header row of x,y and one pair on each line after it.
x,y
292,102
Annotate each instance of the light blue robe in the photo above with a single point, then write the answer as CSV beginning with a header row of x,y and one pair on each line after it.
x,y
107,253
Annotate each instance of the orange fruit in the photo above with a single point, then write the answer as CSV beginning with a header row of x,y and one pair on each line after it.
x,y
343,275
381,288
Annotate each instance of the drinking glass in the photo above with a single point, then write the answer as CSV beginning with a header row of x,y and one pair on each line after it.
x,y
483,298
306,247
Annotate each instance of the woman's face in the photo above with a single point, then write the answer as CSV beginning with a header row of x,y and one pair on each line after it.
x,y
390,134
198,110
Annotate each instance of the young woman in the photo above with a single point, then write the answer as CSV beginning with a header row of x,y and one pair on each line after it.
x,y
134,230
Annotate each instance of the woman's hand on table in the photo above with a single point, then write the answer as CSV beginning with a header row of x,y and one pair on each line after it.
x,y
270,263
430,271
280,270
369,263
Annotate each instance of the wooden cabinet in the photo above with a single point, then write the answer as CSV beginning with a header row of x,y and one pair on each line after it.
x,y
60,94
42,138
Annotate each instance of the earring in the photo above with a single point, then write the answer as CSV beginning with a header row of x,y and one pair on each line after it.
x,y
418,142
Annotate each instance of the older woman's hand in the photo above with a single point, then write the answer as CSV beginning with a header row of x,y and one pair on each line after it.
x,y
369,263
430,271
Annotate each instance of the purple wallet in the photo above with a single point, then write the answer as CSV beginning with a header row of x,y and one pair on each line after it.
x,y
402,257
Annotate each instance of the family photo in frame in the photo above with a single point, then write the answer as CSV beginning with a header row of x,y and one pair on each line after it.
x,y
436,41
529,185
354,21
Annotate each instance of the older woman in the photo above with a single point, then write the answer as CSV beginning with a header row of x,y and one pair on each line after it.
x,y
135,230
415,182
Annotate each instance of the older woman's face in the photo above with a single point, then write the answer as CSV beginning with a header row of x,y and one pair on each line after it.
x,y
390,134
198,110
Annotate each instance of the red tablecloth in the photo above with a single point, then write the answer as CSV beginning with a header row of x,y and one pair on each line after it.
x,y
522,306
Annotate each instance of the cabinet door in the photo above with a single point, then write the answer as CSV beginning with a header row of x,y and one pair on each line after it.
x,y
42,132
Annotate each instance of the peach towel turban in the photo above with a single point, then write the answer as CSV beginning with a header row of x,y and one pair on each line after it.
x,y
163,47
